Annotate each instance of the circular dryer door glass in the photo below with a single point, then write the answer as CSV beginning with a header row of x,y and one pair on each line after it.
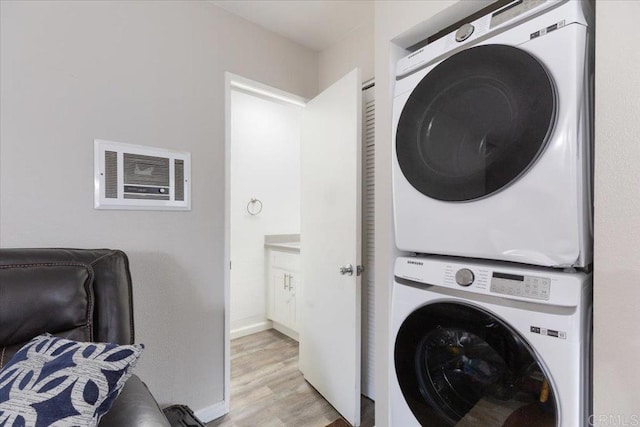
x,y
475,123
456,363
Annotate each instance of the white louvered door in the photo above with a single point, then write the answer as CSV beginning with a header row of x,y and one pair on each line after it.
x,y
368,242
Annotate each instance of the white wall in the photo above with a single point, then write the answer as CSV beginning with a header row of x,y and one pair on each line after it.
x,y
355,50
617,214
147,73
265,164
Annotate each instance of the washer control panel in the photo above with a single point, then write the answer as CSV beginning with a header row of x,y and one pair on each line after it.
x,y
535,287
465,278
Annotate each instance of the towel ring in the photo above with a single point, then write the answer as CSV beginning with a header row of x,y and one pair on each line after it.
x,y
252,203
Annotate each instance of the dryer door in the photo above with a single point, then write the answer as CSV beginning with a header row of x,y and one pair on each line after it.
x,y
456,363
475,123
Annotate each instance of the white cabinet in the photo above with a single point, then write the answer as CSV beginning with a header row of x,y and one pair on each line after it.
x,y
283,273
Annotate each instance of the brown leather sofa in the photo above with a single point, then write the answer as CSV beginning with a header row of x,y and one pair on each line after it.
x,y
79,294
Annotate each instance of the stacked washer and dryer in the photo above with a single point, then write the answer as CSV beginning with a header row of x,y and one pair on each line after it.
x,y
491,314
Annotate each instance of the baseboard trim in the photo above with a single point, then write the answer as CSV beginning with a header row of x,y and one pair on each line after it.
x,y
212,412
250,329
285,330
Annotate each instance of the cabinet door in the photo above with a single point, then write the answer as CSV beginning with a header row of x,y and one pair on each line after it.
x,y
293,286
280,296
284,280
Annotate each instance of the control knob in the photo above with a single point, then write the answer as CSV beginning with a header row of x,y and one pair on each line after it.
x,y
464,32
464,277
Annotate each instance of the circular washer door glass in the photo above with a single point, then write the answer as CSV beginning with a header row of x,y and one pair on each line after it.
x,y
456,363
475,123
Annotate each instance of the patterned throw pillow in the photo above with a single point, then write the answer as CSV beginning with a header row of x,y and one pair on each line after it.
x,y
55,381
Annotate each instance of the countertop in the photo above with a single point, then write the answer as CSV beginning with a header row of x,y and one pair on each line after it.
x,y
283,242
289,246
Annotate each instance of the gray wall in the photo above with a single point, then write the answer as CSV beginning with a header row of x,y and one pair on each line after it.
x,y
355,50
617,215
148,73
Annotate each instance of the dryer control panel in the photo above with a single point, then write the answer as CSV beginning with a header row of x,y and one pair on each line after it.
x,y
523,286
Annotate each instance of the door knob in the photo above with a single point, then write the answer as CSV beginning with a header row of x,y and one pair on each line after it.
x,y
346,270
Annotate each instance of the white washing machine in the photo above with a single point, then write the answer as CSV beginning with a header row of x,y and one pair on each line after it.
x,y
489,344
492,138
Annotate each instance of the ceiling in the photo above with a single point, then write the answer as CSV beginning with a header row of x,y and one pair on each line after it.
x,y
316,24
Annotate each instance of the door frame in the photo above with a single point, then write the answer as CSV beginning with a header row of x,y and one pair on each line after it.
x,y
266,91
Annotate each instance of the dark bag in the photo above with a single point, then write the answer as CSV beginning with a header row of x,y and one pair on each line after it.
x,y
181,416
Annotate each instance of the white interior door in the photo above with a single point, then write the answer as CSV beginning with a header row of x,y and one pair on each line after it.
x,y
330,238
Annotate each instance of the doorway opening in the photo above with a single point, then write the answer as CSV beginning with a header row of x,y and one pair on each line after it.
x,y
262,247
264,206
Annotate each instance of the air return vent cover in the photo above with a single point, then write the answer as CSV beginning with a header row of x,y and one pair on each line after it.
x,y
138,177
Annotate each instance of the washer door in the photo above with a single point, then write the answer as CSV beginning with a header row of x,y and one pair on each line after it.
x,y
455,361
475,123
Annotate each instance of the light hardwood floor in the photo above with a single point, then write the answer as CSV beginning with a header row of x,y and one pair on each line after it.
x,y
268,390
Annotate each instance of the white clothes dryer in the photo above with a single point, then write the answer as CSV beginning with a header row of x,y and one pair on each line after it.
x,y
492,138
489,344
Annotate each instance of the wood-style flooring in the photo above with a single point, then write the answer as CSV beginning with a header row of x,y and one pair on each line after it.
x,y
268,390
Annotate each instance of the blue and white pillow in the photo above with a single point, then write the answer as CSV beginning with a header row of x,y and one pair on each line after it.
x,y
55,381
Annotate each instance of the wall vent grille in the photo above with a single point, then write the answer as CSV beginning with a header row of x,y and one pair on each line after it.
x,y
179,171
128,176
111,175
146,170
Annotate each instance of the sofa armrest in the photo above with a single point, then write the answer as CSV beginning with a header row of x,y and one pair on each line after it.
x,y
135,407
